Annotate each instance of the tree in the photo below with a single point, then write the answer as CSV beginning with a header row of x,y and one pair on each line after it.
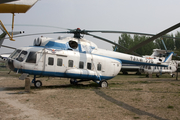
x,y
169,43
177,41
125,40
128,41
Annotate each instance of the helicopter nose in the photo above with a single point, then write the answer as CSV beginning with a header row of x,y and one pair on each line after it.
x,y
11,64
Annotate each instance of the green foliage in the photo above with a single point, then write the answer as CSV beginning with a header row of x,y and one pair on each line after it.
x,y
177,41
169,42
129,41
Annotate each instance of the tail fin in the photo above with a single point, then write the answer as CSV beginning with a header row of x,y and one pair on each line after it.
x,y
169,57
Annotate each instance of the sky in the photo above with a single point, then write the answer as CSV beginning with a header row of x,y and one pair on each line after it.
x,y
145,16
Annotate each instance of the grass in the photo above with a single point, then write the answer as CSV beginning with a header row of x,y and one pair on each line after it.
x,y
138,89
136,117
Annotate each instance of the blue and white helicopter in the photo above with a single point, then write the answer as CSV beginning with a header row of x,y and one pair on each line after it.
x,y
77,58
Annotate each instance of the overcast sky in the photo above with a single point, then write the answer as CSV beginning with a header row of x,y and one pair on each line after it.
x,y
147,16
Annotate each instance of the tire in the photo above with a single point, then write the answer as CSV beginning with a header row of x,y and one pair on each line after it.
x,y
157,75
103,84
38,84
73,82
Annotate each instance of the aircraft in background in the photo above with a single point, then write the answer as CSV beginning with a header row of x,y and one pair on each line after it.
x,y
161,55
157,54
14,6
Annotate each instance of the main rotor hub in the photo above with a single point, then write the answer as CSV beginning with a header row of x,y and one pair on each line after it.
x,y
78,32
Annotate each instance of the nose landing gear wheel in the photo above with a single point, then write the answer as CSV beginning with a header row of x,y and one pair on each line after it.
x,y
103,84
38,84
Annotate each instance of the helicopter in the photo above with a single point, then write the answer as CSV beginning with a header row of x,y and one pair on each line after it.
x,y
157,54
76,58
161,55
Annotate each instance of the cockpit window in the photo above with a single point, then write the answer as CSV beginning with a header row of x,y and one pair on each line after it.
x,y
22,56
12,54
31,57
15,54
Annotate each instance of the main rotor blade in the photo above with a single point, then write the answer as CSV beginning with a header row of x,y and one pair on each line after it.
x,y
154,37
8,47
33,25
38,34
135,33
104,39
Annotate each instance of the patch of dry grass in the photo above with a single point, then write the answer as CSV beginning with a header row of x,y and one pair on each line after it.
x,y
127,97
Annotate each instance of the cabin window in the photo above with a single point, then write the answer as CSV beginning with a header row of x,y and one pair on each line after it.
x,y
149,67
89,66
50,61
99,67
70,63
59,62
22,56
31,57
81,65
170,68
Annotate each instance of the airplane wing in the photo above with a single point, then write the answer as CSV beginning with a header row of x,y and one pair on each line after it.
x,y
16,6
6,1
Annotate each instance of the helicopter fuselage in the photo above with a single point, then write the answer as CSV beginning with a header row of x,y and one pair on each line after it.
x,y
72,58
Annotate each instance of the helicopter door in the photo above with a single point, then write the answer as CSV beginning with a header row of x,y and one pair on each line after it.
x,y
50,64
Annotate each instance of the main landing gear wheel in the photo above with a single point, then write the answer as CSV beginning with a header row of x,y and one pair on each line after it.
x,y
73,82
38,84
157,75
103,84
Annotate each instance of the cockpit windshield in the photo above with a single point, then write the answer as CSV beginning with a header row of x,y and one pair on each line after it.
x,y
19,55
15,54
22,56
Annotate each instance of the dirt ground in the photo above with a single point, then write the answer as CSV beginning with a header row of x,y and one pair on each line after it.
x,y
128,97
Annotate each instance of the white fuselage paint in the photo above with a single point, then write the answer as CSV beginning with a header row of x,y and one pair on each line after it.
x,y
104,64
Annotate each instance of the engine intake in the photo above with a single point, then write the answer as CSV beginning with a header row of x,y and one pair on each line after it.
x,y
73,44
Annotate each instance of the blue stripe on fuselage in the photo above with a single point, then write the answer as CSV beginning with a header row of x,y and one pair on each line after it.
x,y
132,62
60,74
